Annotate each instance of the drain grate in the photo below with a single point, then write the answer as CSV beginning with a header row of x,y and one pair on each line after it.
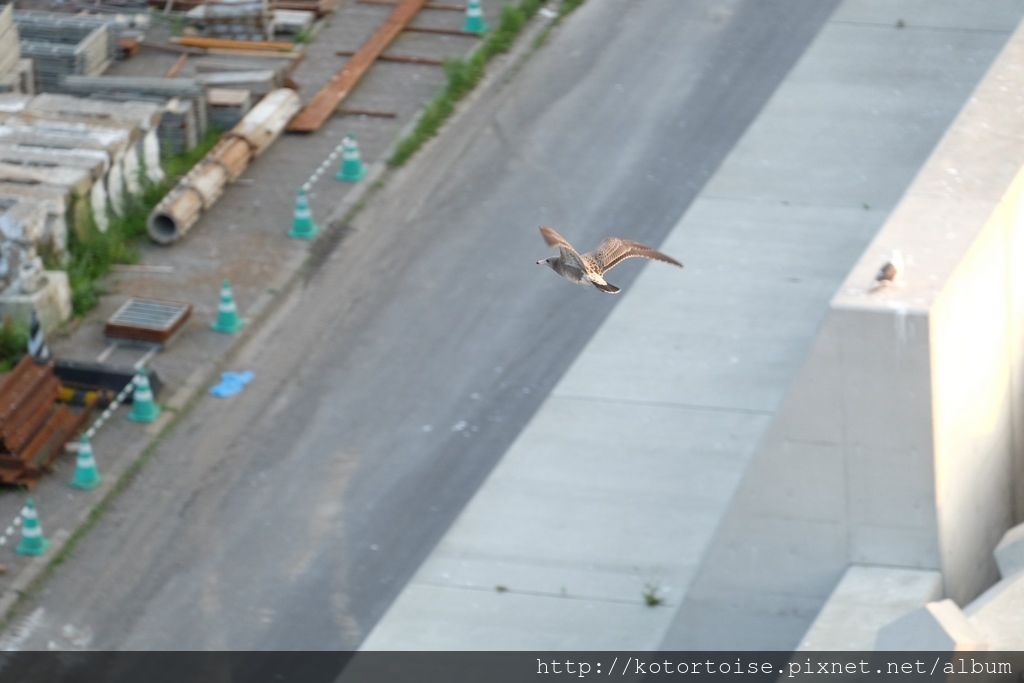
x,y
147,320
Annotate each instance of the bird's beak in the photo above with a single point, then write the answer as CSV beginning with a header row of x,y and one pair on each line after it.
x,y
542,262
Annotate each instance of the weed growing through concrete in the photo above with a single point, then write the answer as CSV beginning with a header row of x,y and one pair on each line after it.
x,y
651,597
13,342
462,76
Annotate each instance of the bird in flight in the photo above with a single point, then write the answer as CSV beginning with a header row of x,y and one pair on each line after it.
x,y
589,268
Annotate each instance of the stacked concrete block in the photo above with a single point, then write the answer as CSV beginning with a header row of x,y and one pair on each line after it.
x,y
142,117
184,120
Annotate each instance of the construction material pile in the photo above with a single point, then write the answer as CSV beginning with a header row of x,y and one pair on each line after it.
x,y
235,19
33,426
63,44
183,101
15,72
74,160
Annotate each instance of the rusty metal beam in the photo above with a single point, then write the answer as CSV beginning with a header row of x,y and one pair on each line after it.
x,y
230,44
325,102
401,59
176,67
430,5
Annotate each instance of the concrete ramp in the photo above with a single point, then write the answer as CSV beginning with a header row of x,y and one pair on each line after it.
x,y
900,443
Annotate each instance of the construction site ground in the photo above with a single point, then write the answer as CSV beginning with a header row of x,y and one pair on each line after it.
x,y
244,238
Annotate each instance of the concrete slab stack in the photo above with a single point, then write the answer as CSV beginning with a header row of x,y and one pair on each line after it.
x,y
183,123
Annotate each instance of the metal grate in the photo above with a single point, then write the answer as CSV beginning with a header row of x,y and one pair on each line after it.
x,y
150,320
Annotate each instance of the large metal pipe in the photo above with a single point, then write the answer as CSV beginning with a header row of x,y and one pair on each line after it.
x,y
203,185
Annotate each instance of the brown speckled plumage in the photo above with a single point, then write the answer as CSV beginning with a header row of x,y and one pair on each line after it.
x,y
589,268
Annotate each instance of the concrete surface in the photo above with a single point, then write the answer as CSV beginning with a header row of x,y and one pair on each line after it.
x,y
915,449
996,614
655,422
940,625
415,346
866,599
1009,552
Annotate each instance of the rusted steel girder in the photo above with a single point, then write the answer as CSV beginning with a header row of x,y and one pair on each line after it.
x,y
325,102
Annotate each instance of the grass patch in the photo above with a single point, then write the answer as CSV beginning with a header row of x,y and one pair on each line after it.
x,y
462,75
92,252
651,595
13,342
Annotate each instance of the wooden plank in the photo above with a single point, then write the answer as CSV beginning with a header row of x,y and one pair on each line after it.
x,y
325,102
230,44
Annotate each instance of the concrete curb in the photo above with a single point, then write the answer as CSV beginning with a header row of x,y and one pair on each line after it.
x,y
179,404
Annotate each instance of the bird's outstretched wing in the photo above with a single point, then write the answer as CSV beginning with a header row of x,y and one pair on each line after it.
x,y
553,239
614,250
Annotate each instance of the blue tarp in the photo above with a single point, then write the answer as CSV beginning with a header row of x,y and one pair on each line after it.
x,y
231,383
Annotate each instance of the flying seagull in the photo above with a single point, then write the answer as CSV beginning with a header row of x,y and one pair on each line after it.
x,y
589,268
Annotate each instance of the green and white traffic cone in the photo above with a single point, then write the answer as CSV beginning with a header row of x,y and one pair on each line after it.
x,y
352,170
86,475
32,540
144,408
474,18
228,321
303,227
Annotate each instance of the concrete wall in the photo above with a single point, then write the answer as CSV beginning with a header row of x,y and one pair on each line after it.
x,y
899,442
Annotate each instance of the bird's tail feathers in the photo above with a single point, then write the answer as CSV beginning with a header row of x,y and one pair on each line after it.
x,y
607,288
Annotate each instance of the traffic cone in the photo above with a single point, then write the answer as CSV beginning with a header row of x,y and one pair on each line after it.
x,y
86,475
32,540
303,227
474,18
144,408
37,347
228,321
352,170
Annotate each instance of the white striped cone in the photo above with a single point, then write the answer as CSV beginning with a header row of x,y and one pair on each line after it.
x,y
351,164
144,408
227,314
86,475
303,226
37,347
32,540
475,22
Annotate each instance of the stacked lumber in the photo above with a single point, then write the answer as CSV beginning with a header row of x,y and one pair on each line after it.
x,y
33,426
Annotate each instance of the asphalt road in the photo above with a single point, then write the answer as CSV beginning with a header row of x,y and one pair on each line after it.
x,y
389,384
